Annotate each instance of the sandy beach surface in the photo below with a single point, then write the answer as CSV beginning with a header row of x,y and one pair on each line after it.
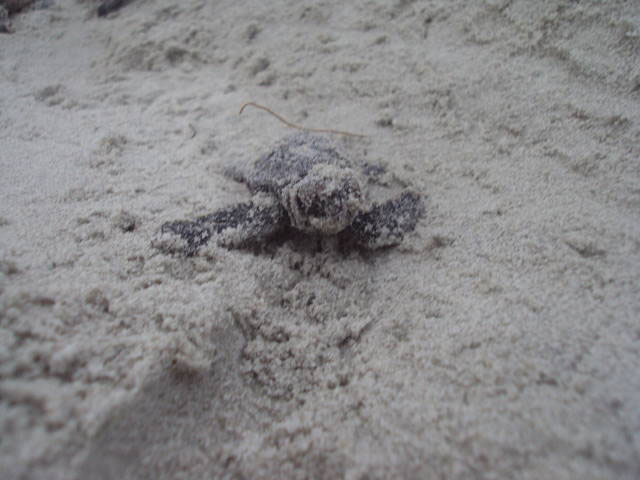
x,y
500,340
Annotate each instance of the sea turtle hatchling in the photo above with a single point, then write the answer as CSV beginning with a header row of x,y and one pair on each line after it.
x,y
304,183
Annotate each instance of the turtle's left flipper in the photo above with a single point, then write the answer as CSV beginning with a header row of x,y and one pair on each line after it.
x,y
233,226
387,223
108,6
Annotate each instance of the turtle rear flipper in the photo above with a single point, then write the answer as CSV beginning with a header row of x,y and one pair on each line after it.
x,y
387,223
234,226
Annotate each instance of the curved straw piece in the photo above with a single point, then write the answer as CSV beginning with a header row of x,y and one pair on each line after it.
x,y
299,127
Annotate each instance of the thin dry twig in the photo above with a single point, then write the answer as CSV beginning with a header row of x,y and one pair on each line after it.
x,y
299,127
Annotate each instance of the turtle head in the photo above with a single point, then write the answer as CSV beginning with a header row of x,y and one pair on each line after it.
x,y
325,201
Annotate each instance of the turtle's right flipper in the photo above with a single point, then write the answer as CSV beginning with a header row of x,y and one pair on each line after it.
x,y
231,227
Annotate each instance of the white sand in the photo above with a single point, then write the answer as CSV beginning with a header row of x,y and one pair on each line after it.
x,y
501,340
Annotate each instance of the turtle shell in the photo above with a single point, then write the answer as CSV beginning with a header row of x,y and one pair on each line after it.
x,y
291,161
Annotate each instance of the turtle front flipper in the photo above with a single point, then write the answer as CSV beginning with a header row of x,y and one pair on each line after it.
x,y
231,227
387,223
